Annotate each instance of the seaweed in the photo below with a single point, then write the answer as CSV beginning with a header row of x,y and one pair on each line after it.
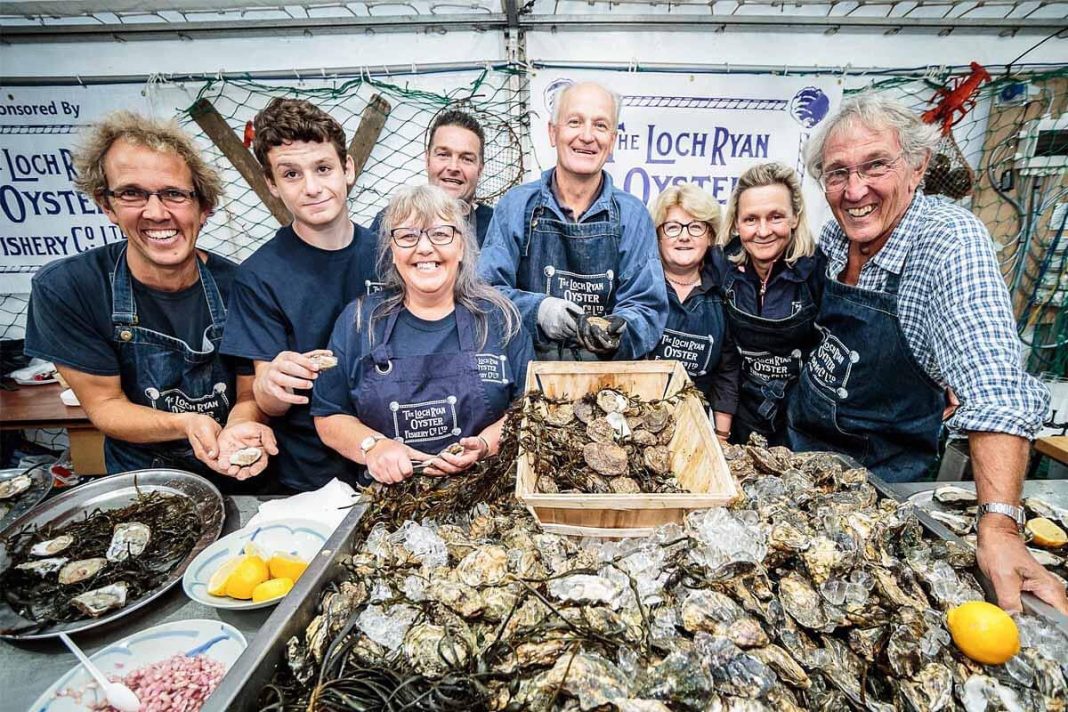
x,y
175,526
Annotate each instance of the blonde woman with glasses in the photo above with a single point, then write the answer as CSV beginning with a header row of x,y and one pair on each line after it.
x,y
697,334
772,278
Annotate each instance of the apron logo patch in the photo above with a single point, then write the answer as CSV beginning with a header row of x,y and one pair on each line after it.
x,y
421,422
373,287
771,367
492,368
831,364
692,350
590,291
174,400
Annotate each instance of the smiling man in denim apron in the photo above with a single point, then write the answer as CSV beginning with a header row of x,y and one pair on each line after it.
x,y
914,303
135,326
577,256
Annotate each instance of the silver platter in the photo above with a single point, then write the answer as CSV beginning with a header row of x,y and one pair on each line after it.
x,y
17,506
114,492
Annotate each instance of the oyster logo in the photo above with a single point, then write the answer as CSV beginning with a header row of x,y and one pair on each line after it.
x,y
421,422
589,291
173,400
552,91
809,106
693,351
831,364
492,368
766,366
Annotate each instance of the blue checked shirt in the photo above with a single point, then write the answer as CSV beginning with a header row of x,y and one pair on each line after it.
x,y
955,312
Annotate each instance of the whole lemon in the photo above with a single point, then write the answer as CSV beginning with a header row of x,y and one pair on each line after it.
x,y
250,572
269,590
283,565
983,632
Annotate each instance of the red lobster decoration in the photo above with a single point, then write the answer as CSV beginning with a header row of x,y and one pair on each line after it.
x,y
958,101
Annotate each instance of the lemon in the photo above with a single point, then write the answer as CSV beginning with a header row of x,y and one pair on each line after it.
x,y
983,632
254,549
217,582
1046,533
283,565
269,590
249,573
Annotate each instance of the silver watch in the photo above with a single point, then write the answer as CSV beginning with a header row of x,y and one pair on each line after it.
x,y
1013,512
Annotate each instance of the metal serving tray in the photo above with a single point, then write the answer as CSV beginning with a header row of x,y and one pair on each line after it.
x,y
241,687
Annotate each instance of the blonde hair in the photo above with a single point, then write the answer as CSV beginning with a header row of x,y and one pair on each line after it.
x,y
693,200
429,203
160,136
802,242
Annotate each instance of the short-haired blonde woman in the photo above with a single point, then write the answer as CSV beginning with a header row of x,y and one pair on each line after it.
x,y
431,361
772,279
697,334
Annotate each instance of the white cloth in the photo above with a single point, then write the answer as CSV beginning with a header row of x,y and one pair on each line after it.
x,y
328,504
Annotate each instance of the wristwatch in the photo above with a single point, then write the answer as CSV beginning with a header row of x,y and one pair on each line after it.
x,y
1013,512
369,442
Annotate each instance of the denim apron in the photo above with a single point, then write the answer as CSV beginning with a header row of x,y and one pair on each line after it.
x,y
694,335
161,372
772,351
862,392
428,402
578,262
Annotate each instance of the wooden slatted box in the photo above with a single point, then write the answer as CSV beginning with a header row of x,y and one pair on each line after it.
x,y
696,457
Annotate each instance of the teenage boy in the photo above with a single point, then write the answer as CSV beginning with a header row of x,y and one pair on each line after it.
x,y
288,294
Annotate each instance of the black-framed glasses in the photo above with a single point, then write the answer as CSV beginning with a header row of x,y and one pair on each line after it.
x,y
138,197
835,181
674,229
408,237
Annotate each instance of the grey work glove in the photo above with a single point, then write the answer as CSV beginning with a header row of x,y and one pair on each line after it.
x,y
600,334
558,318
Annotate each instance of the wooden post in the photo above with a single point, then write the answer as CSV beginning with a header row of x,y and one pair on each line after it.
x,y
224,138
372,120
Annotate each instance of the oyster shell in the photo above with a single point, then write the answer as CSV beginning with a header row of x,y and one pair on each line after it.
x,y
608,459
81,570
101,600
959,525
957,497
600,430
43,567
584,411
559,414
51,547
15,486
656,417
128,539
246,456
612,401
486,565
624,485
643,438
657,459
323,361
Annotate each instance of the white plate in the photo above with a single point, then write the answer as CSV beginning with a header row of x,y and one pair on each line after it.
x,y
300,537
219,641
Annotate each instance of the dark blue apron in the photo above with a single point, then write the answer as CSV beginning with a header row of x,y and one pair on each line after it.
x,y
578,262
694,335
428,402
772,351
862,392
167,374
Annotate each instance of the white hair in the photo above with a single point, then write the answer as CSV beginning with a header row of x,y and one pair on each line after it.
x,y
616,100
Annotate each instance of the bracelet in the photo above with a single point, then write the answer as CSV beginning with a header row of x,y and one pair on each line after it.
x,y
721,433
486,446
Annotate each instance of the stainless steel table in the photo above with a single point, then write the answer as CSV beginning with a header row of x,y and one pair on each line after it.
x,y
29,668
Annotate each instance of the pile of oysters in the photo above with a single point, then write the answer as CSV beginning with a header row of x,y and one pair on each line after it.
x,y
602,443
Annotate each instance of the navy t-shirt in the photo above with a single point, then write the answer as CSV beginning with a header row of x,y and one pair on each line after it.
x,y
69,317
335,390
286,297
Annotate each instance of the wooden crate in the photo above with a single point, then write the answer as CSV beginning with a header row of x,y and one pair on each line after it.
x,y
696,457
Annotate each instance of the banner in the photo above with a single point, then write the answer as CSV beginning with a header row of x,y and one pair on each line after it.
x,y
42,216
700,129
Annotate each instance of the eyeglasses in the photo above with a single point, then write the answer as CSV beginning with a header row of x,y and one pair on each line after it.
x,y
138,197
836,181
674,229
439,235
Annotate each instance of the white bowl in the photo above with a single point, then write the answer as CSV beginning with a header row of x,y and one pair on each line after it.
x,y
301,537
219,641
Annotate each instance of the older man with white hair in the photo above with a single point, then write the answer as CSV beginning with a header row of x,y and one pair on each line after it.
x,y
915,304
576,255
